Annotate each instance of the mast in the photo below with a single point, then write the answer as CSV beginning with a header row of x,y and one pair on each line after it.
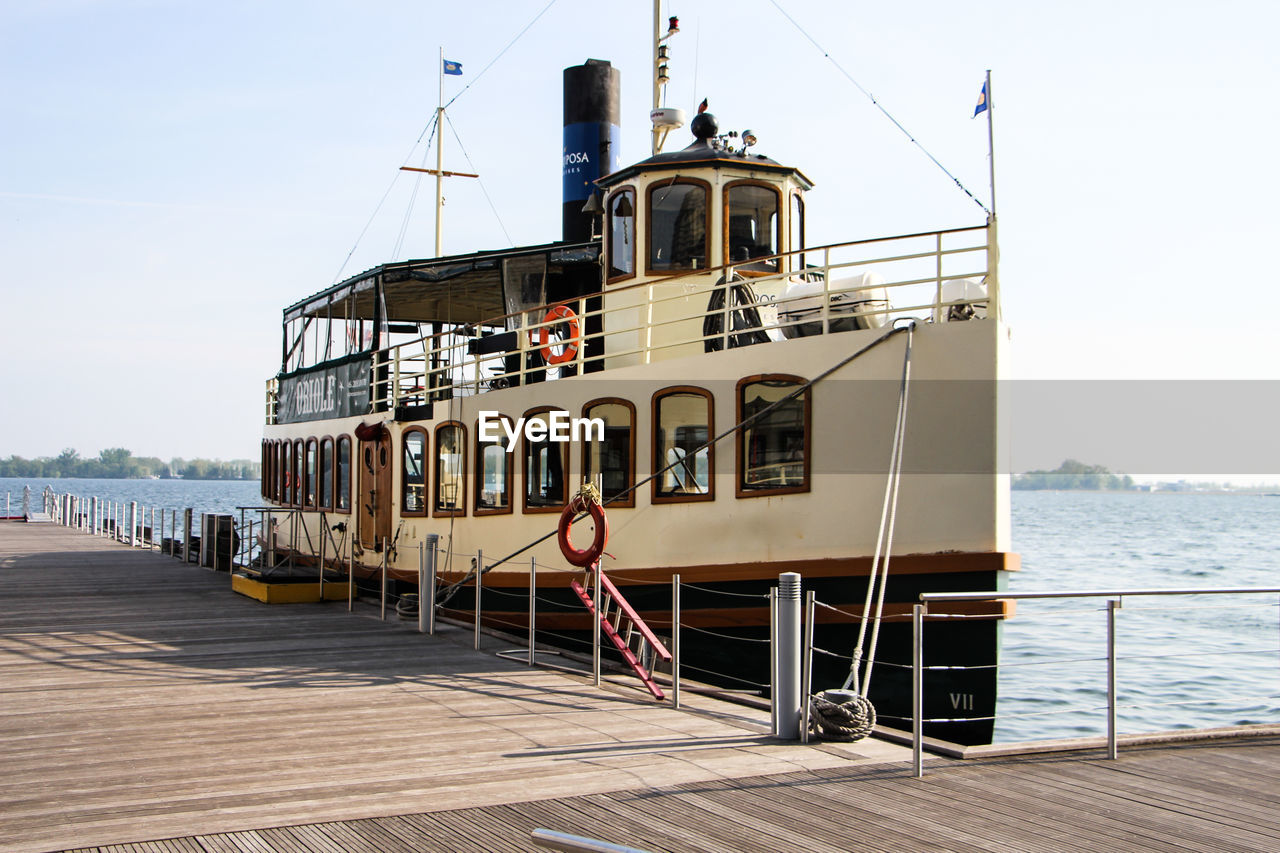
x,y
440,155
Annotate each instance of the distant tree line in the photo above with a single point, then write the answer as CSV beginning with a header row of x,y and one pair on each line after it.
x,y
1073,475
117,463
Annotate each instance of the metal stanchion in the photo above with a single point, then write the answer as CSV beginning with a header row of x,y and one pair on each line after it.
x,y
806,668
384,579
434,541
595,628
533,609
675,640
351,573
917,689
1113,604
773,659
323,530
479,589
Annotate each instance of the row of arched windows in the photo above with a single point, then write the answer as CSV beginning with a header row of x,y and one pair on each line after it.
x,y
439,478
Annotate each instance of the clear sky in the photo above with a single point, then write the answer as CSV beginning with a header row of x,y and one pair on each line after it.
x,y
173,174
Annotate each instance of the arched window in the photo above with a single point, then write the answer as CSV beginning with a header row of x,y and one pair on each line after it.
x,y
679,236
621,229
310,480
284,481
751,226
413,472
493,469
295,494
451,469
326,473
682,421
797,232
546,465
773,450
342,475
613,460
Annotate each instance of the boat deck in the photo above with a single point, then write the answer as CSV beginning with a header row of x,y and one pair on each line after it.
x,y
142,701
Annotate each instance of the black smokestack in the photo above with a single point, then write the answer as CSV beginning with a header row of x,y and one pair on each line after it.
x,y
592,136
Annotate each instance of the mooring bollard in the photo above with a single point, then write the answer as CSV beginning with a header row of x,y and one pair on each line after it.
x,y
786,689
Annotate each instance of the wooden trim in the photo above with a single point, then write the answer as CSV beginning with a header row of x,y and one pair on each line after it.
x,y
337,443
630,499
524,468
478,486
461,503
426,476
648,227
608,231
655,456
738,489
777,234
797,260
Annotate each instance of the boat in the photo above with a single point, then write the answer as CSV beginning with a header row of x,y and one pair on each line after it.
x,y
731,392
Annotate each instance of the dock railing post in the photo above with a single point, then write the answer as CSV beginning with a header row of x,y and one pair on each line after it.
x,y
324,528
533,610
351,569
595,627
383,614
422,587
433,540
1113,604
134,524
787,688
479,589
186,535
806,664
773,659
675,641
917,690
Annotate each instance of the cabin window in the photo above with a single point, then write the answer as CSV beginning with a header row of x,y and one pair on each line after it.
x,y
613,459
773,450
413,495
282,493
295,494
546,465
751,226
342,475
622,234
493,474
682,420
311,476
326,473
678,232
451,493
797,232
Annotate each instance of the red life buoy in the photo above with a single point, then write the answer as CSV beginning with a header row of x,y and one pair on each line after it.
x,y
583,558
539,336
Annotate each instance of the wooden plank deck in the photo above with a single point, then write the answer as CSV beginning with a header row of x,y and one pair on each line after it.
x,y
146,708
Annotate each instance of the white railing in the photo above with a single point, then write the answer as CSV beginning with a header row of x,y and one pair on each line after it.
x,y
867,284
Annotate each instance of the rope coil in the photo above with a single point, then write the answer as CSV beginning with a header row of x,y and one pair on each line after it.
x,y
850,720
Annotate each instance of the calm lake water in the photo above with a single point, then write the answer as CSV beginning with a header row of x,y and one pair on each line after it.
x,y
1185,662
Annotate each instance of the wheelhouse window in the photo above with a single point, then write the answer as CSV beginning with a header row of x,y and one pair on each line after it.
x,y
773,450
413,494
752,226
493,475
546,465
342,475
326,473
682,420
622,234
677,224
613,459
451,492
310,477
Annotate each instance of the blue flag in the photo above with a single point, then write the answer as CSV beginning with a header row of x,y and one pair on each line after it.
x,y
451,67
982,101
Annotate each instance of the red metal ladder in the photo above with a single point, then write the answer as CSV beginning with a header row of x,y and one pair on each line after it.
x,y
614,612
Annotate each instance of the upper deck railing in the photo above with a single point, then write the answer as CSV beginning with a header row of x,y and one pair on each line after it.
x,y
932,276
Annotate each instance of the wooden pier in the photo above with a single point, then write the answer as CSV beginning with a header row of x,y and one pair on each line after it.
x,y
146,707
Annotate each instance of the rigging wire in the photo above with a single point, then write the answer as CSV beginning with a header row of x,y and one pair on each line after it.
x,y
880,106
431,126
478,179
493,61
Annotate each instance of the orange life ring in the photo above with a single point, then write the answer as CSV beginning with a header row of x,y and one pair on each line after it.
x,y
539,336
583,558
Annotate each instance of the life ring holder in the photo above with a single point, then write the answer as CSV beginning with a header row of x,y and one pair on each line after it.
x,y
540,337
587,501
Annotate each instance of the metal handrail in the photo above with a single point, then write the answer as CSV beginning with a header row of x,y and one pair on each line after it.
x,y
1114,598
